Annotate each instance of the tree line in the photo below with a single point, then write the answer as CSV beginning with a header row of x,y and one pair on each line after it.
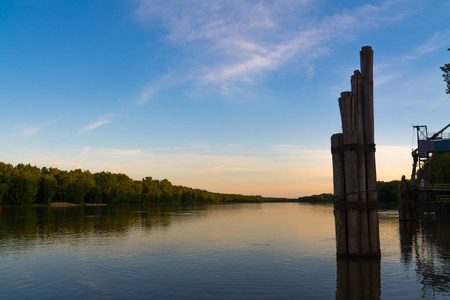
x,y
387,193
26,185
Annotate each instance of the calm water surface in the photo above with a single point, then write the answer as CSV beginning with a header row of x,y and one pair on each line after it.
x,y
243,251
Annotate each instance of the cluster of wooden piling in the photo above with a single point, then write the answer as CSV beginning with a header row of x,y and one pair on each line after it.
x,y
408,206
354,170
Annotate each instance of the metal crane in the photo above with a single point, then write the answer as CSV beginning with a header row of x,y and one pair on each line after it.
x,y
428,143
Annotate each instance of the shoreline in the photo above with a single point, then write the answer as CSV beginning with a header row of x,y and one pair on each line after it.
x,y
67,204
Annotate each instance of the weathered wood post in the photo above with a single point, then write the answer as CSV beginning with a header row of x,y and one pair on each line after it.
x,y
406,208
347,105
358,93
337,144
366,58
354,169
408,205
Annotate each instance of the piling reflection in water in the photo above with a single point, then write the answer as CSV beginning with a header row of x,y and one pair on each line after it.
x,y
358,279
408,238
425,246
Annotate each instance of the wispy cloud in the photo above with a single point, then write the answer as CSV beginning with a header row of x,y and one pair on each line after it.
x,y
86,150
164,82
237,43
124,152
437,41
64,165
106,119
28,130
392,69
386,78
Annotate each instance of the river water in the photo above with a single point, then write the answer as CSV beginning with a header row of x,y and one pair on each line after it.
x,y
239,251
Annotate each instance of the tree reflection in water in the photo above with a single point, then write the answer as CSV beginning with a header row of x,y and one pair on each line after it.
x,y
425,246
29,225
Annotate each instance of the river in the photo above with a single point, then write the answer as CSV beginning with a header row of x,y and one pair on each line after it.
x,y
236,251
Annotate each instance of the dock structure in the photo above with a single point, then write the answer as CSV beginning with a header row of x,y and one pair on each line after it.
x,y
424,196
428,143
354,168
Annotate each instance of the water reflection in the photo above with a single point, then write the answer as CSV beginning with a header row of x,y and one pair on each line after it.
x,y
268,251
277,251
415,263
32,225
358,279
408,237
425,246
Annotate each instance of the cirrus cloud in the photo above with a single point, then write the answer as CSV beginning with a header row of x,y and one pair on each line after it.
x,y
106,119
231,45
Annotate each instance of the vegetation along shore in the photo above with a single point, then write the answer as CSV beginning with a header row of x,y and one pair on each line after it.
x,y
25,185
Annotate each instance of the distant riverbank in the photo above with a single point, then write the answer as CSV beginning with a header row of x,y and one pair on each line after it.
x,y
66,204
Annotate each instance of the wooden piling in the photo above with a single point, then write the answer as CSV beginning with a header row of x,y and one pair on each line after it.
x,y
358,93
406,201
347,105
366,58
356,197
340,215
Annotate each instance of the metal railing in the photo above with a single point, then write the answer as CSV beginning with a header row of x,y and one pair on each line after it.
x,y
440,186
443,136
436,186
443,198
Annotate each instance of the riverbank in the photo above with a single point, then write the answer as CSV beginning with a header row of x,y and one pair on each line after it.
x,y
66,204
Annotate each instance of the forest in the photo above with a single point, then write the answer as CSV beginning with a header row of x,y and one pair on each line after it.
x,y
387,193
25,185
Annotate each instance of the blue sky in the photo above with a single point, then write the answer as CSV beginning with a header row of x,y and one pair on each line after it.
x,y
228,96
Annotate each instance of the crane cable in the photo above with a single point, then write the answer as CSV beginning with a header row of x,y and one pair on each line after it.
x,y
433,110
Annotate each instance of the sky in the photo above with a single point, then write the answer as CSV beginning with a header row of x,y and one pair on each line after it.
x,y
227,96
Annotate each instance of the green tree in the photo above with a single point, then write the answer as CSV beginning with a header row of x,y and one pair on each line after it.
x,y
317,198
438,166
106,182
166,191
47,189
6,171
24,185
387,191
446,75
62,179
94,195
150,191
79,184
123,189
